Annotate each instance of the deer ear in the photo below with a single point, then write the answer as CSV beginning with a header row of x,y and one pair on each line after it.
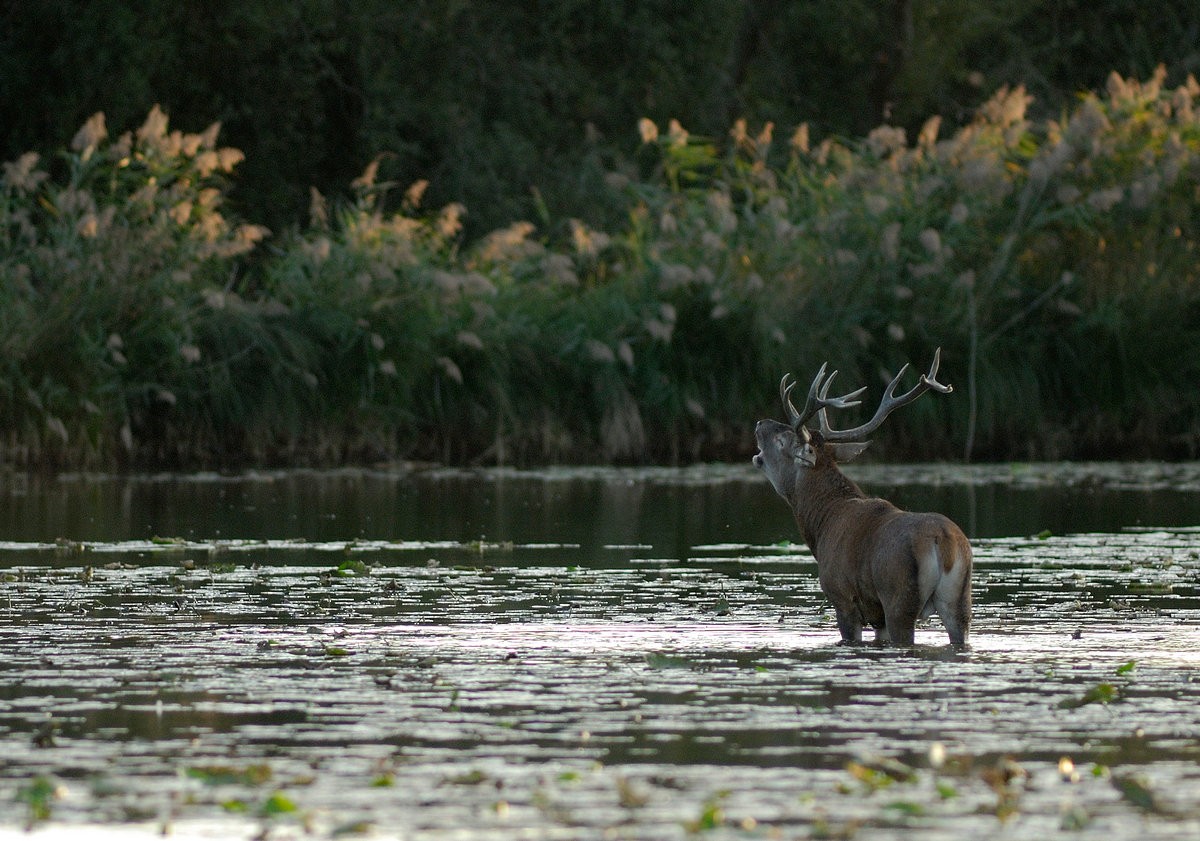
x,y
845,452
803,451
806,455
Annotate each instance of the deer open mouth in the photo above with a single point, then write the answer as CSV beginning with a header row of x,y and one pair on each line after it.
x,y
760,437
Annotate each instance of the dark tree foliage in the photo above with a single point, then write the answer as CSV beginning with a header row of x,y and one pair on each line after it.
x,y
517,109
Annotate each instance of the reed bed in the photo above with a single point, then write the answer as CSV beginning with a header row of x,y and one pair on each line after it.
x,y
1053,261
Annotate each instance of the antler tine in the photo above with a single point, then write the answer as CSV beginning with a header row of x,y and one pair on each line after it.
x,y
930,379
785,394
818,397
810,403
889,403
843,402
797,418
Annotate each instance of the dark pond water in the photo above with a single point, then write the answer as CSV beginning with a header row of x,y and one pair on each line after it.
x,y
586,654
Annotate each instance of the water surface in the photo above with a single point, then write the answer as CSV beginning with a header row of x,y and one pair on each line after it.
x,y
583,654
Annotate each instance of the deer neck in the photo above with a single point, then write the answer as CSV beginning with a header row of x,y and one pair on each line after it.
x,y
818,496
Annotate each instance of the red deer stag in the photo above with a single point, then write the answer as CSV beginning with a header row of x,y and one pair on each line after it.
x,y
878,565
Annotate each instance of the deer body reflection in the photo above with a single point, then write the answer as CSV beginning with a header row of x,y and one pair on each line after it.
x,y
878,565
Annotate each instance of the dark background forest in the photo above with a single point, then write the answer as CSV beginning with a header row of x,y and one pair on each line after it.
x,y
490,99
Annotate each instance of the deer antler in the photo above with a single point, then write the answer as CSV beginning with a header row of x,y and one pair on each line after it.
x,y
817,397
889,403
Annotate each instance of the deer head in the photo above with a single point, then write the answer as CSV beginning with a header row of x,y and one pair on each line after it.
x,y
787,449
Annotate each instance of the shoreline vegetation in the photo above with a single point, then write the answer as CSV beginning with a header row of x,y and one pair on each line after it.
x,y
1054,261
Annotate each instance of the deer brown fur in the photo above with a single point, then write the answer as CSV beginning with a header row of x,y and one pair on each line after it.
x,y
878,565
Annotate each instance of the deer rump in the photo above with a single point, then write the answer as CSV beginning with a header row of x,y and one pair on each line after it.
x,y
890,568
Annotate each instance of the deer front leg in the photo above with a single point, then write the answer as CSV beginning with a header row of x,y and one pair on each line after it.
x,y
850,628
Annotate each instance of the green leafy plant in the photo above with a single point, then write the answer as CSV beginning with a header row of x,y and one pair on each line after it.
x,y
38,795
1101,693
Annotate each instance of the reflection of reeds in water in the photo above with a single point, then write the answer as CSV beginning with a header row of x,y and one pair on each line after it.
x,y
1054,261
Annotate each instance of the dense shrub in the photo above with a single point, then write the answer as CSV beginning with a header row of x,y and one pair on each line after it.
x,y
117,277
1054,261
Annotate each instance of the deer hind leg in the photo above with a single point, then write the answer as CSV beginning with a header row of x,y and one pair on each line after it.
x,y
955,608
952,597
849,627
900,621
944,582
903,601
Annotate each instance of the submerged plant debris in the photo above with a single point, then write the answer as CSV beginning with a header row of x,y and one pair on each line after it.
x,y
330,686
